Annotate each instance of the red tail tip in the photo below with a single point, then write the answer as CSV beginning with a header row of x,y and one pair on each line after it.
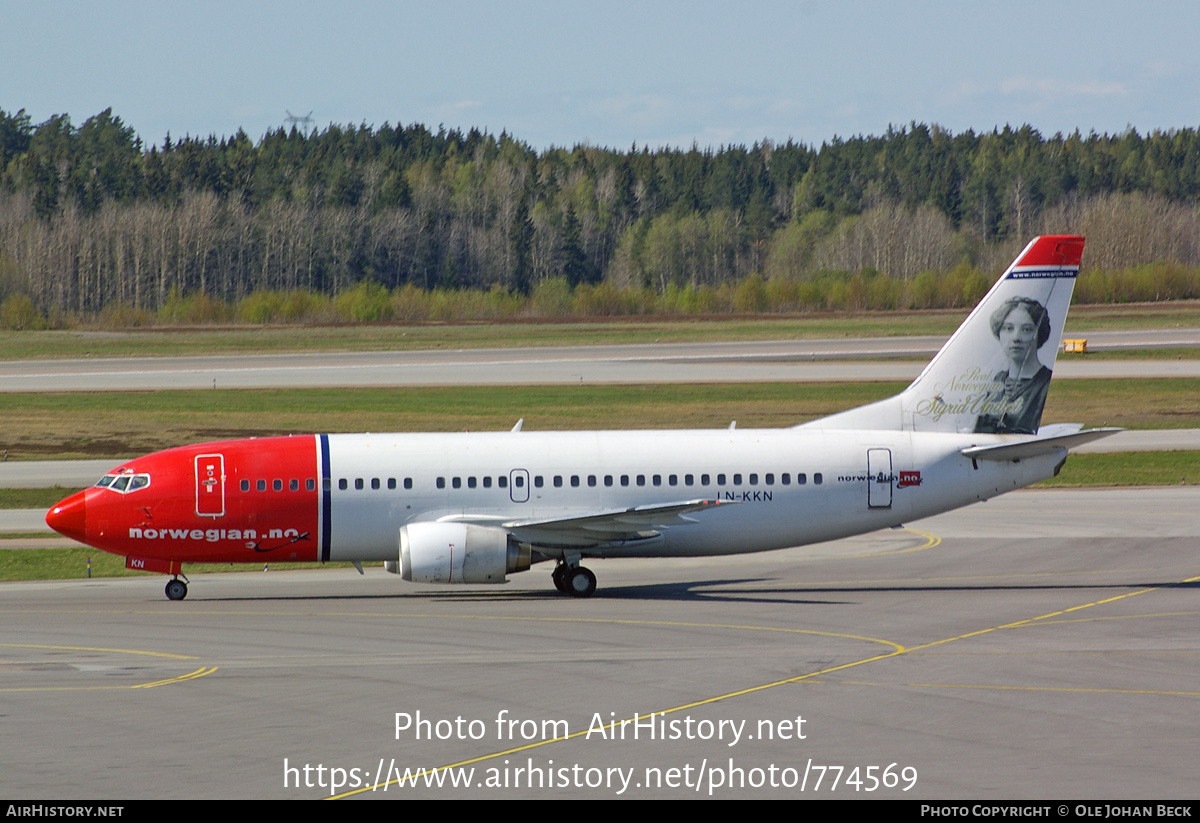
x,y
1053,250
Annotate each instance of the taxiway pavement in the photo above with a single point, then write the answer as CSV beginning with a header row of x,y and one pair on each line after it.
x,y
753,361
1040,645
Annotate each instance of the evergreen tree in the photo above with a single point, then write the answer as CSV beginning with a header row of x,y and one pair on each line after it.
x,y
575,263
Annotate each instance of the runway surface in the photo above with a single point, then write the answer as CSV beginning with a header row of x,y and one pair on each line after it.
x,y
1040,645
756,361
42,474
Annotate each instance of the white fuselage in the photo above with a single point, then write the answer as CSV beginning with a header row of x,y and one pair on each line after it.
x,y
786,487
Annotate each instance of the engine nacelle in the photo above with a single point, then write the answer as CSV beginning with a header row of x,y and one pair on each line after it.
x,y
459,553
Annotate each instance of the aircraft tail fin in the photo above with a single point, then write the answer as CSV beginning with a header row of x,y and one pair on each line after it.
x,y
992,375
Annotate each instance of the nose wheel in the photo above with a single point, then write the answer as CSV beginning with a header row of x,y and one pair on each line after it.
x,y
176,589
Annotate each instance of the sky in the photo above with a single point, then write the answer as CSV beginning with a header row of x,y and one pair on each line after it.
x,y
609,73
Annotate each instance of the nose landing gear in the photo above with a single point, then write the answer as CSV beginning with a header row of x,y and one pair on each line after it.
x,y
176,588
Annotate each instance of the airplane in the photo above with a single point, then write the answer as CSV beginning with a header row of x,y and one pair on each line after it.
x,y
476,507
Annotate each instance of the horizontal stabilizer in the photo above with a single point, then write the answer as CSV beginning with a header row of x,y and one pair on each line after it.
x,y
1037,445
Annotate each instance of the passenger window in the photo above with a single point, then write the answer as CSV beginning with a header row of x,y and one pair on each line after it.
x,y
391,483
343,484
537,480
374,482
441,483
673,480
816,478
574,481
558,481
519,481
720,480
245,485
470,482
785,479
358,483
502,481
262,485
591,479
456,482
277,484
325,483
487,482
408,482
657,479
801,478
310,484
641,479
294,485
737,480
608,479
704,480
770,480
687,480
624,480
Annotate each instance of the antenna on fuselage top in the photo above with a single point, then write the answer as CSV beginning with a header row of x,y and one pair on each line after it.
x,y
520,423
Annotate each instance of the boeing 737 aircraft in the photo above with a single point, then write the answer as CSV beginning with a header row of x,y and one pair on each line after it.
x,y
476,507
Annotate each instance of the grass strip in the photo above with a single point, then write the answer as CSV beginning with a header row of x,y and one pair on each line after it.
x,y
79,425
72,564
32,498
1170,468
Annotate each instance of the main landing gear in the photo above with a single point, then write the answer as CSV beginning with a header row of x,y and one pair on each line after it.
x,y
176,588
577,581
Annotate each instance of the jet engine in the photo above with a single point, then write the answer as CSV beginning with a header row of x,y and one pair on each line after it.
x,y
459,553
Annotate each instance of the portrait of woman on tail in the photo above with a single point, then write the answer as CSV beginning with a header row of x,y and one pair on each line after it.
x,y
1014,406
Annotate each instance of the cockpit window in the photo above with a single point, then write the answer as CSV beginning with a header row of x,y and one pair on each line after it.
x,y
124,483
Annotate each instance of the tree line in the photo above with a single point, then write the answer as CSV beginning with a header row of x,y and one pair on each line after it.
x,y
93,220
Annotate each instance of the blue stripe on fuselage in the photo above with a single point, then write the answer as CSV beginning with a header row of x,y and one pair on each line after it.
x,y
326,499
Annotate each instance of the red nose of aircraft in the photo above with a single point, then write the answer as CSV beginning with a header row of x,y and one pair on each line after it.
x,y
69,517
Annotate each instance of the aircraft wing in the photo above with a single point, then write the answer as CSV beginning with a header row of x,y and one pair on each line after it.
x,y
636,523
1037,445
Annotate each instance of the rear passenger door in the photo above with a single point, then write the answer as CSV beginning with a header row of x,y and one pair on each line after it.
x,y
879,478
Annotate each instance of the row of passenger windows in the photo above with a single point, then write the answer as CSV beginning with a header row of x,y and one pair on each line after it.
x,y
277,485
557,481
310,484
359,483
575,480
